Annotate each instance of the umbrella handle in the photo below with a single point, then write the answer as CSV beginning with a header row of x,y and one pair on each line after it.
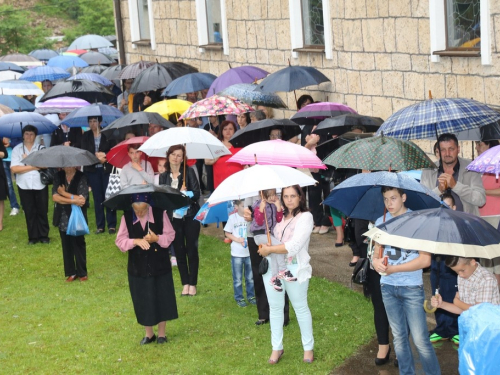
x,y
265,219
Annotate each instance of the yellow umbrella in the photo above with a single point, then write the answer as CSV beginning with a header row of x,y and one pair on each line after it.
x,y
165,108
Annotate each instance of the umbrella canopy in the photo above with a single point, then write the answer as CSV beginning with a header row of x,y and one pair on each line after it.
x,y
189,83
60,157
113,72
96,58
9,74
11,124
92,77
292,78
178,69
63,104
19,87
320,111
166,108
96,69
487,162
248,182
241,74
90,41
164,197
216,105
83,89
44,54
4,110
16,103
137,122
79,117
248,93
109,51
42,73
65,62
217,213
259,131
380,153
133,70
74,52
199,143
360,196
344,123
118,155
21,59
440,231
153,78
6,65
434,117
277,152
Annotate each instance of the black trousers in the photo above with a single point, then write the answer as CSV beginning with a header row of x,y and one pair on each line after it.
x,y
359,248
258,284
36,206
379,314
74,254
187,231
317,194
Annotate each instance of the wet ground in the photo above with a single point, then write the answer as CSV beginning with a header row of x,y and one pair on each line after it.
x,y
332,263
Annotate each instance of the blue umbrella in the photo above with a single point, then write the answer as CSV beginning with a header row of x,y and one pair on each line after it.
x,y
6,65
16,103
44,54
42,73
249,93
11,125
189,83
65,62
360,197
79,117
215,214
92,77
431,118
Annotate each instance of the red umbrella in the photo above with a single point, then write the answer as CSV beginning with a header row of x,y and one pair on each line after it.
x,y
118,155
78,51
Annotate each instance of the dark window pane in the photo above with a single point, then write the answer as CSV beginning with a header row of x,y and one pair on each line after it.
x,y
312,22
463,23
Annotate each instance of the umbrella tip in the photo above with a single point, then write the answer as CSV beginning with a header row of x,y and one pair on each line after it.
x,y
430,94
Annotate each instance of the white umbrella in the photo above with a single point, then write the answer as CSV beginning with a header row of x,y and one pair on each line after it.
x,y
248,182
19,87
9,74
90,41
199,143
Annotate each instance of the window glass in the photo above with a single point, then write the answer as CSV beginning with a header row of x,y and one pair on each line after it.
x,y
312,23
143,16
214,21
463,23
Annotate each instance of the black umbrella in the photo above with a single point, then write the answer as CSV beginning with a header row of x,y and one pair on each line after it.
x,y
259,131
178,69
112,73
344,123
137,122
133,70
96,58
98,69
60,157
87,90
153,78
292,78
164,197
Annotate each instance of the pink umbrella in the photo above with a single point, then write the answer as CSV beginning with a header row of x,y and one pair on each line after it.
x,y
63,104
216,105
277,152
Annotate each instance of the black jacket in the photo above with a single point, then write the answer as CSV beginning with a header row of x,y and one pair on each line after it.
x,y
192,184
59,137
87,143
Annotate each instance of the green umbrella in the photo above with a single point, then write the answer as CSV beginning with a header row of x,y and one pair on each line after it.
x,y
380,154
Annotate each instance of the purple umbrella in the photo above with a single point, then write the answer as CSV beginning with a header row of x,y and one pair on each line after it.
x,y
63,104
487,162
241,74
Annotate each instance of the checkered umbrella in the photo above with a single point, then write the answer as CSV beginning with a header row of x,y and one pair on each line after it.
x,y
133,70
42,73
433,117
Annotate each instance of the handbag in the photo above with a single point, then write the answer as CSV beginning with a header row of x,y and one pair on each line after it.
x,y
77,225
349,236
47,175
114,185
263,266
360,272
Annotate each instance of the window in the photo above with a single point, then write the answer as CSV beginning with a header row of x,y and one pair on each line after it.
x,y
214,20
212,25
142,23
313,26
143,18
463,25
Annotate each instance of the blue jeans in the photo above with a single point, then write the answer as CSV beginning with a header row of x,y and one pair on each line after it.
x,y
237,266
403,305
12,193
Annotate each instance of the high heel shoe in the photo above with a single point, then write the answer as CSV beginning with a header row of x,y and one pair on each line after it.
x,y
383,361
274,361
309,360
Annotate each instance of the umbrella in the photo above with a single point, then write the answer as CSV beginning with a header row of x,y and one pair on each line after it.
x,y
6,65
164,197
137,122
199,143
487,162
360,196
109,51
60,157
166,108
9,75
217,213
83,89
248,182
90,41
152,78
11,125
178,69
63,104
16,103
216,105
118,155
19,87
248,93
65,62
440,231
189,83
259,131
21,59
96,69
292,78
96,58
380,153
241,74
133,70
94,77
320,111
434,117
112,73
277,152
342,124
4,110
43,73
79,117
74,52
43,54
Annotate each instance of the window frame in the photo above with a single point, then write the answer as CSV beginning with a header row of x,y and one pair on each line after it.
x,y
202,26
135,32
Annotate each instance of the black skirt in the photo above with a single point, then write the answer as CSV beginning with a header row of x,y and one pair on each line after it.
x,y
153,298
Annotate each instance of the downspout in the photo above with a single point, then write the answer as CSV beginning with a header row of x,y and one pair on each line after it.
x,y
119,30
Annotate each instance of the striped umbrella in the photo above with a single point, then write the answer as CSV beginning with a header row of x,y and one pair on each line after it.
x,y
64,104
42,73
94,77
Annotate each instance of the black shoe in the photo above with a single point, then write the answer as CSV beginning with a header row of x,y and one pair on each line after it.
x,y
45,240
146,340
352,264
99,231
339,244
261,322
383,361
112,231
396,363
32,242
286,323
161,340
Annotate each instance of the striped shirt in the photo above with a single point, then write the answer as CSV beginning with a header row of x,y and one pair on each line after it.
x,y
480,287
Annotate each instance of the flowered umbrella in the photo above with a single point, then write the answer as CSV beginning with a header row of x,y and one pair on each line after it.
x,y
166,108
487,162
79,117
63,104
65,62
241,74
42,73
133,70
189,83
217,105
380,154
92,77
249,93
19,87
11,124
90,41
16,103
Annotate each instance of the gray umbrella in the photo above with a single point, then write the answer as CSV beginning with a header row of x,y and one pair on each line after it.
x,y
60,157
96,58
137,122
90,41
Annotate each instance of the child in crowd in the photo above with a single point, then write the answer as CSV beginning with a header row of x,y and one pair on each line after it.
x,y
236,230
270,203
161,169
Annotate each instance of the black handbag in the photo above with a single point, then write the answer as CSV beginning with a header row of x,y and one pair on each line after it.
x,y
349,236
263,266
360,272
47,175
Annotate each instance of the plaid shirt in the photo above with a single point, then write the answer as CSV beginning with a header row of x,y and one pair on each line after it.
x,y
480,287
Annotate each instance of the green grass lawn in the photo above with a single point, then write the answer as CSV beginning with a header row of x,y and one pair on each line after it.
x,y
49,326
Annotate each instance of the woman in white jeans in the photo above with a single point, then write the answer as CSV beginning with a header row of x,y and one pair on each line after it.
x,y
294,232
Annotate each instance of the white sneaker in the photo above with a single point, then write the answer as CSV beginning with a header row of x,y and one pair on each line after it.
x,y
173,260
14,211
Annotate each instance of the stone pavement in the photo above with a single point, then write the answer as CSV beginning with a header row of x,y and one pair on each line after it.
x,y
332,263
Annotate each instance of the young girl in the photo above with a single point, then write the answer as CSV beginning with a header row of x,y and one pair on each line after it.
x,y
274,212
